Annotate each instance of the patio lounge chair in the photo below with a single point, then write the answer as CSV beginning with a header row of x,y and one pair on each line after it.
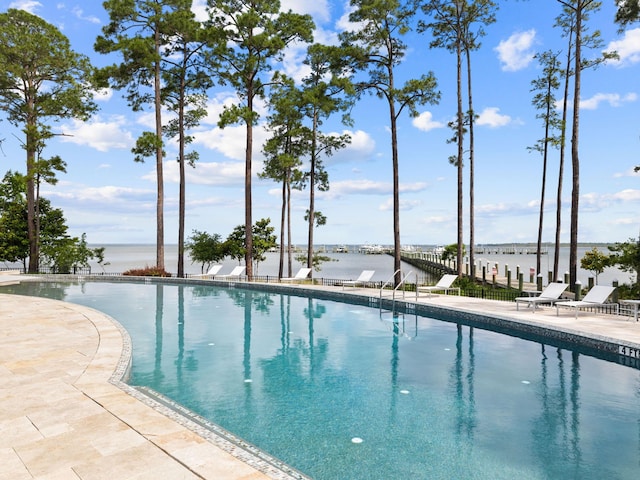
x,y
210,274
596,297
550,295
364,277
443,285
300,276
237,272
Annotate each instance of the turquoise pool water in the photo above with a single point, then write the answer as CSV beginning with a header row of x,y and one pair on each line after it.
x,y
341,391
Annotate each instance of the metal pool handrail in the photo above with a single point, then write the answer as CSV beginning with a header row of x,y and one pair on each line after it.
x,y
402,280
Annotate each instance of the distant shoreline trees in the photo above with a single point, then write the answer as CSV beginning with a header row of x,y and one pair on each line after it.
x,y
58,251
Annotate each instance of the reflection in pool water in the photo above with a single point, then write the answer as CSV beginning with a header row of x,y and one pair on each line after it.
x,y
344,391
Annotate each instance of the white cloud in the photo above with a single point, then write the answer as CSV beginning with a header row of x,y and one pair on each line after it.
x,y
325,37
516,52
425,122
231,141
625,221
101,135
318,9
613,99
108,194
437,220
204,173
292,62
103,95
360,149
361,187
78,12
628,48
147,120
502,209
629,173
594,202
491,117
199,8
28,5
113,198
368,187
413,187
628,195
405,205
344,24
217,104
361,143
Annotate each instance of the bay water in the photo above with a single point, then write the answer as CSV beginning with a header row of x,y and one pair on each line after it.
x,y
122,257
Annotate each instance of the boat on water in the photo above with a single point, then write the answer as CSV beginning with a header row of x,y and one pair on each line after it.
x,y
341,249
371,249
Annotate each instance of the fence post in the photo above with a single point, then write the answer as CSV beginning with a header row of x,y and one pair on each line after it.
x,y
590,281
566,277
532,272
615,296
539,282
484,275
520,280
550,277
578,289
508,278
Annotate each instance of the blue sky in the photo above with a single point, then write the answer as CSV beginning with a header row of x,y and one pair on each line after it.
x,y
112,199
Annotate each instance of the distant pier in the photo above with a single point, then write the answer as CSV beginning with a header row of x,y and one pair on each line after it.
x,y
509,250
434,264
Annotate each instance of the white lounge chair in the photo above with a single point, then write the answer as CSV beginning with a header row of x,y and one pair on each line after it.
x,y
550,295
443,285
210,274
596,297
364,277
300,276
237,272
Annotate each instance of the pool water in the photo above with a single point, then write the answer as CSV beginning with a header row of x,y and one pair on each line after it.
x,y
343,391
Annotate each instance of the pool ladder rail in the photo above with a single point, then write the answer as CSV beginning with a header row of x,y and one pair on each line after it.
x,y
397,320
400,284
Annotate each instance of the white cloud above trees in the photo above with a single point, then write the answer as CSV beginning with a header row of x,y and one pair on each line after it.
x,y
516,52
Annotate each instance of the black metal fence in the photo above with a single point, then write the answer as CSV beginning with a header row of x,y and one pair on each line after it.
x,y
503,294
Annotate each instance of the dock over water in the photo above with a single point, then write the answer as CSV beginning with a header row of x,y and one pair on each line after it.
x,y
487,274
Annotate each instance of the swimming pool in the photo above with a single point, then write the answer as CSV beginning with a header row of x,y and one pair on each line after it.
x,y
340,390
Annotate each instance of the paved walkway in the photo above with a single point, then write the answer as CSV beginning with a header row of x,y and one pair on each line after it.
x,y
62,417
